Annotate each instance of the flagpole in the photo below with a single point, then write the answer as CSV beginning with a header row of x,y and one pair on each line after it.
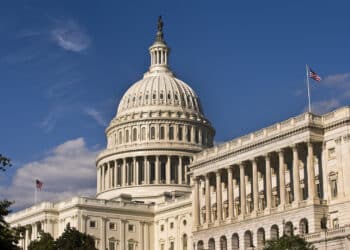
x,y
308,87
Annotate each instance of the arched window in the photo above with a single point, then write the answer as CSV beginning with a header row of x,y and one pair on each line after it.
x,y
143,133
153,133
171,133
235,242
200,245
248,239
288,228
120,139
134,134
274,232
223,243
162,133
127,136
260,238
184,242
303,227
211,244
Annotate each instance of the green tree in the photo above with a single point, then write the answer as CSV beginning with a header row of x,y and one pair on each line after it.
x,y
72,239
4,162
46,242
288,242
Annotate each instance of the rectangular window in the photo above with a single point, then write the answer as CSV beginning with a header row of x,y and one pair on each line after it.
x,y
180,134
331,153
111,245
161,228
130,246
92,223
172,245
334,188
335,223
171,133
112,226
131,228
162,246
171,224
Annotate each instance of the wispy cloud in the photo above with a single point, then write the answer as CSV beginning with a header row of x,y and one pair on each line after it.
x,y
338,80
96,115
323,107
70,36
55,171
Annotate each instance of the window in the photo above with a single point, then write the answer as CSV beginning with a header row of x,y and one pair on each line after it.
x,y
196,135
171,224
161,228
120,137
184,222
112,226
134,134
126,136
335,223
172,245
180,134
153,133
171,133
162,246
334,188
111,245
130,246
131,228
92,223
188,133
143,133
162,133
331,153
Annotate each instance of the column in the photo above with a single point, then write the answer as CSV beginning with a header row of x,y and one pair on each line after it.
x,y
255,185
207,199
116,173
167,170
34,231
134,170
109,174
218,196
195,203
145,171
137,166
230,193
268,182
242,188
127,172
146,236
103,177
296,177
98,179
27,242
122,234
179,171
156,171
310,171
192,134
83,223
186,177
282,186
123,172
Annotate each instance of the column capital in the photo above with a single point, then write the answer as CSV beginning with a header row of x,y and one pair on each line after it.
x,y
267,155
281,151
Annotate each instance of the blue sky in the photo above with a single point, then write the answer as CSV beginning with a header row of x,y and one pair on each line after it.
x,y
64,66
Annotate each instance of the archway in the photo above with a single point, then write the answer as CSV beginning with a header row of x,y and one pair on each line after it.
x,y
274,233
288,229
248,239
211,244
303,226
200,245
235,241
260,238
223,243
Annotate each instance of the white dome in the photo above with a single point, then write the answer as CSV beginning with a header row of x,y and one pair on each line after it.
x,y
161,91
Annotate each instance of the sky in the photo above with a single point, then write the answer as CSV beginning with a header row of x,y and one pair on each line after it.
x,y
64,66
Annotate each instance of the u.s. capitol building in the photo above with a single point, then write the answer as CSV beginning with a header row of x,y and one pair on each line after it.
x,y
162,185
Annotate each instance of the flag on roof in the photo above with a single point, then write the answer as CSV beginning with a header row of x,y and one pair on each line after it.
x,y
314,75
39,184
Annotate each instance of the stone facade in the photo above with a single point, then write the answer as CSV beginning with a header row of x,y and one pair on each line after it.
x,y
161,184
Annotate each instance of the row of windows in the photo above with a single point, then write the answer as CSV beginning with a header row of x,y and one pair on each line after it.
x,y
184,222
112,226
184,133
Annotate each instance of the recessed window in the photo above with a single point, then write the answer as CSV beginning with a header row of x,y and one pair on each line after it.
x,y
161,228
180,134
154,96
335,223
92,223
134,134
161,96
184,222
171,224
171,133
161,133
176,97
111,245
169,96
112,226
131,228
331,153
334,188
153,133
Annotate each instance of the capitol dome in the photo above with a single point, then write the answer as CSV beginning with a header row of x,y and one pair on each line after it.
x,y
158,126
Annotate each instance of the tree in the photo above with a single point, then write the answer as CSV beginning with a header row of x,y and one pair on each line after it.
x,y
4,162
8,237
288,242
72,239
46,242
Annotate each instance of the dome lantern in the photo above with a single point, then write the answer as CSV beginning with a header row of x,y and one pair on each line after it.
x,y
159,51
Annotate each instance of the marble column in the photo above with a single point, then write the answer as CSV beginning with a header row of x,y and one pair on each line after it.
x,y
207,199
255,185
185,175
123,170
196,211
134,171
27,240
167,170
116,172
310,171
230,193
179,171
109,174
145,171
146,236
296,176
282,187
156,170
99,179
218,196
102,177
242,189
268,182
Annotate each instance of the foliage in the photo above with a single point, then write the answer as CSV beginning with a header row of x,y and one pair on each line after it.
x,y
46,242
8,237
4,162
72,239
288,242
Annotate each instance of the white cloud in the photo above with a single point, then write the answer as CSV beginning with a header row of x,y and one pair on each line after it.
x,y
322,107
338,80
97,116
68,170
70,36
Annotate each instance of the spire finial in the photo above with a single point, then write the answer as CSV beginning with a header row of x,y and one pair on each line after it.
x,y
160,37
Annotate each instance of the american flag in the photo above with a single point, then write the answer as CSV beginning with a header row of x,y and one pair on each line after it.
x,y
314,75
39,184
